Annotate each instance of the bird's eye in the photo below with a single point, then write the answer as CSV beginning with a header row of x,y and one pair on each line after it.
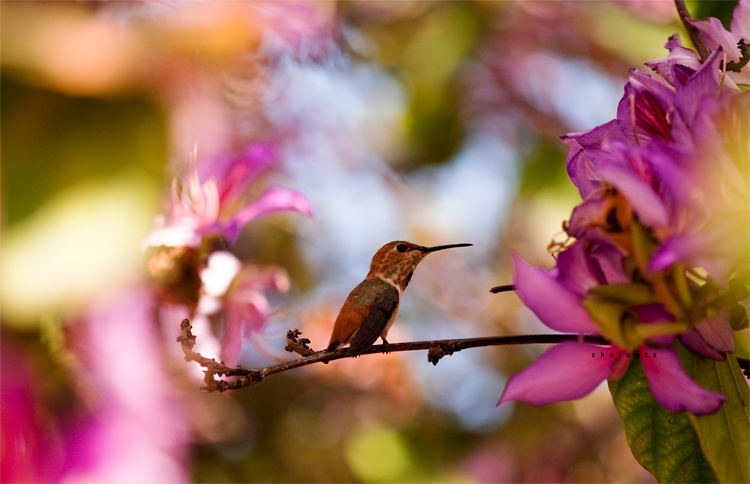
x,y
401,248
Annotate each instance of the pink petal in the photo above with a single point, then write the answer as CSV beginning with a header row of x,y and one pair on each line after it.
x,y
275,199
557,307
566,371
674,389
715,36
741,20
237,174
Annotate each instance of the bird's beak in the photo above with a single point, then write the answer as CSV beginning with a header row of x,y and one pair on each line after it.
x,y
441,247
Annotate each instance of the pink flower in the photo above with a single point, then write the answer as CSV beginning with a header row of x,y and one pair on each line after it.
x,y
571,370
137,431
241,292
211,201
26,438
682,62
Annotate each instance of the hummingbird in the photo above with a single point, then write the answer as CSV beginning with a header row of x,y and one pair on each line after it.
x,y
371,307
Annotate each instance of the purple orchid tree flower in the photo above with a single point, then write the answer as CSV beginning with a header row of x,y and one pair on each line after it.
x,y
731,42
571,370
662,231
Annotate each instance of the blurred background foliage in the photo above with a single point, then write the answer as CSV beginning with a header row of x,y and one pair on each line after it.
x,y
432,121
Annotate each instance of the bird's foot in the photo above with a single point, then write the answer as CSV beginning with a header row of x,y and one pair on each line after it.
x,y
385,346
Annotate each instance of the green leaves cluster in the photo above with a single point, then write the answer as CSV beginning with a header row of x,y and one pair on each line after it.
x,y
681,447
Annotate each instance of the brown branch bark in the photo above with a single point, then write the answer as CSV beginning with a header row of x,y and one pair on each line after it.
x,y
247,377
693,32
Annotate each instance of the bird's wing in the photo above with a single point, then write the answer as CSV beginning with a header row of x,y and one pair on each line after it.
x,y
381,311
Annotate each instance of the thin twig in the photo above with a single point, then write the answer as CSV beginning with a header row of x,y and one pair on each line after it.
x,y
247,377
692,30
504,288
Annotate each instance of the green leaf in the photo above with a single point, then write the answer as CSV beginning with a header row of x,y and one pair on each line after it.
x,y
630,294
643,246
614,323
663,442
725,435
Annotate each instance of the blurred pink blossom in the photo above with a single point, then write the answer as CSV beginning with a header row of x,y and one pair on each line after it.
x,y
137,431
214,204
241,292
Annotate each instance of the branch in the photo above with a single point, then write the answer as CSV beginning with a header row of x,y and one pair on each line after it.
x,y
692,30
248,377
505,288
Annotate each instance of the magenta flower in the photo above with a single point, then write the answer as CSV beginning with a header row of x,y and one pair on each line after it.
x,y
27,450
210,201
654,156
137,431
716,37
665,189
571,370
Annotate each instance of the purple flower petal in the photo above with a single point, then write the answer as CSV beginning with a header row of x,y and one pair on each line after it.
x,y
674,389
716,37
705,83
680,58
673,178
741,20
591,213
666,254
717,332
644,104
698,250
557,307
656,313
233,173
644,201
610,263
246,312
681,75
695,343
566,371
653,313
584,147
577,273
